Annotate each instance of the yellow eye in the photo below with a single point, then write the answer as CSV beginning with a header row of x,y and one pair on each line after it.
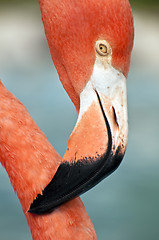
x,y
102,48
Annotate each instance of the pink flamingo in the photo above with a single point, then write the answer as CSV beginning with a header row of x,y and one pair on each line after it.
x,y
90,42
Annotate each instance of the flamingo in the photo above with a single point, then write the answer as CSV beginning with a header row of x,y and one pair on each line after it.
x,y
90,43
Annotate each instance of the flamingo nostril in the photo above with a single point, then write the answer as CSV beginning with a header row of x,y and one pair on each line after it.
x,y
115,117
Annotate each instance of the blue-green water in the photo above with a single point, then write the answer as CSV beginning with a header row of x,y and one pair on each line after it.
x,y
125,205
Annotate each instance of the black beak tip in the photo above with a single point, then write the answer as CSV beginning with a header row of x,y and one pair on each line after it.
x,y
56,194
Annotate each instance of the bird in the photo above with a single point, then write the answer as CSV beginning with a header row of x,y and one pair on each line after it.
x,y
90,43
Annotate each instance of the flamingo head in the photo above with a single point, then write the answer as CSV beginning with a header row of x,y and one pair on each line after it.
x,y
75,30
90,43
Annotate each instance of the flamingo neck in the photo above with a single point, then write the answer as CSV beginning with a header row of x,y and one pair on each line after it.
x,y
30,162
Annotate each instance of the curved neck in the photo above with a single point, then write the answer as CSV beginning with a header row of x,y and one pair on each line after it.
x,y
30,162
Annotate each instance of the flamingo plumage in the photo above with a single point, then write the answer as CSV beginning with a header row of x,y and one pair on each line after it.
x,y
29,160
90,42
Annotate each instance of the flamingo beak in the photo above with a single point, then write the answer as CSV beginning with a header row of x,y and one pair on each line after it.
x,y
97,144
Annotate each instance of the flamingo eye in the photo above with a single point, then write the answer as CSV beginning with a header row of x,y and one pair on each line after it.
x,y
102,48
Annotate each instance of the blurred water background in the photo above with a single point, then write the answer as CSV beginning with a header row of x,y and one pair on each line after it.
x,y
125,205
